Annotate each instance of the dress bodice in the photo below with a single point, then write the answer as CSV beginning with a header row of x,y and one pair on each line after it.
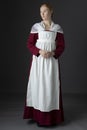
x,y
46,40
47,35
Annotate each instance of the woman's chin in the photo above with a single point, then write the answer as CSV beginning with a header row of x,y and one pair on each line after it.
x,y
44,18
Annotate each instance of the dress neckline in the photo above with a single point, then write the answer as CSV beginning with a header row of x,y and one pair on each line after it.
x,y
43,25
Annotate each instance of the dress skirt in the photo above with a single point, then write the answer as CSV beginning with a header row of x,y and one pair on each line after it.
x,y
44,99
45,118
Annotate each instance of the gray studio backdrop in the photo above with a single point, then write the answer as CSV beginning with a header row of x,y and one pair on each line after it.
x,y
17,17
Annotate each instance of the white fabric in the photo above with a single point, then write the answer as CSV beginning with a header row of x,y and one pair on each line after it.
x,y
40,26
44,85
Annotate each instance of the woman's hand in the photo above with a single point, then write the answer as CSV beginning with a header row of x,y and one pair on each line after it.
x,y
46,54
50,54
43,53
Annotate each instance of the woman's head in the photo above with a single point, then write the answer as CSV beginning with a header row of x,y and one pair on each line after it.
x,y
46,11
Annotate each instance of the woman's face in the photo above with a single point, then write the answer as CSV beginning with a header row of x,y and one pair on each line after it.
x,y
45,13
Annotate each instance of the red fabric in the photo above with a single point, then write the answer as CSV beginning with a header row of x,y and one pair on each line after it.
x,y
35,51
31,44
54,116
45,118
60,45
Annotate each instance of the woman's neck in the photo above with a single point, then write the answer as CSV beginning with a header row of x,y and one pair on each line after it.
x,y
47,22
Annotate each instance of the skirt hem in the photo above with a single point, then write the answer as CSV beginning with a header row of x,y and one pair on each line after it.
x,y
53,117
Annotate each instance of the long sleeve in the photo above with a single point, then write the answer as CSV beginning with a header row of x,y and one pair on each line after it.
x,y
31,44
60,45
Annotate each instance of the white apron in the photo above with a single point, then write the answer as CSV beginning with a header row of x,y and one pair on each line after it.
x,y
44,85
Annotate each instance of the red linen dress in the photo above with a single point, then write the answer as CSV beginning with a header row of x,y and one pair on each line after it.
x,y
44,97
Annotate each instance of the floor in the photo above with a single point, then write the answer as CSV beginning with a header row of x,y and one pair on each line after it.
x,y
11,112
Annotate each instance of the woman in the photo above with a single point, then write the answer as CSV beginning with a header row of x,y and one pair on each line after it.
x,y
46,43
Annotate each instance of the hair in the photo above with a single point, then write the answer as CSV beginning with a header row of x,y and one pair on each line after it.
x,y
48,5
